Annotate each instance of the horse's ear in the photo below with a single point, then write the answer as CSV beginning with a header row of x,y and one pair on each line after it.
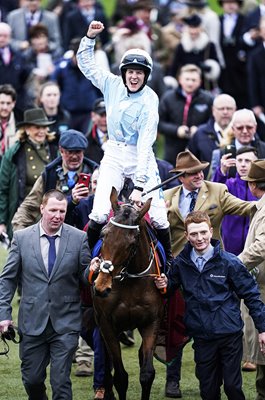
x,y
145,209
114,200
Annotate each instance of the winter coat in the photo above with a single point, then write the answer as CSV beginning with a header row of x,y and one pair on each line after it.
x,y
13,181
212,297
171,109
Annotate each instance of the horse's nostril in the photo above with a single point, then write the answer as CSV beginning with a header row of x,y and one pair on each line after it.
x,y
103,293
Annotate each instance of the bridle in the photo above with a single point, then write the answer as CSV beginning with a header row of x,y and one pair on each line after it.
x,y
106,266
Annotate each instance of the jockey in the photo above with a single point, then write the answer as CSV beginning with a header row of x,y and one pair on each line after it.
x,y
132,119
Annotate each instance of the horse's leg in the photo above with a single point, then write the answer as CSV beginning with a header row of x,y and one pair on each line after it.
x,y
108,380
146,351
120,377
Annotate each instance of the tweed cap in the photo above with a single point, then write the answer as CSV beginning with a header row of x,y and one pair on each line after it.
x,y
73,140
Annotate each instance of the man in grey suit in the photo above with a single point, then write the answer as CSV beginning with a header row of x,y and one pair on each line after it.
x,y
21,19
51,258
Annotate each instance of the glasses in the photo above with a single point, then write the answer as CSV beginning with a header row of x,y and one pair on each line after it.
x,y
224,108
135,58
241,128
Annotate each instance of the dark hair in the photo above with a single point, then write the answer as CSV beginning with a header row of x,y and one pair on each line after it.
x,y
197,217
38,30
74,44
58,194
260,186
9,90
247,149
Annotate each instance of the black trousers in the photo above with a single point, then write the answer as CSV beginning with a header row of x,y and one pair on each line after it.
x,y
218,362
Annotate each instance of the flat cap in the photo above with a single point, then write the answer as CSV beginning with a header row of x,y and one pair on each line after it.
x,y
73,140
99,106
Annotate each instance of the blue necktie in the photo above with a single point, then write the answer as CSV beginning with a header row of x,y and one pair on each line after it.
x,y
200,263
51,253
193,196
71,179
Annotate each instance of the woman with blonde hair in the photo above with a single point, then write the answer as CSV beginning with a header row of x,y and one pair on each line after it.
x,y
23,163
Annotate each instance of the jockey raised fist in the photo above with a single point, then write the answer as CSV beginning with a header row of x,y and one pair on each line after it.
x,y
94,29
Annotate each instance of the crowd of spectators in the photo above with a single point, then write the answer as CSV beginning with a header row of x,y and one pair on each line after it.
x,y
208,73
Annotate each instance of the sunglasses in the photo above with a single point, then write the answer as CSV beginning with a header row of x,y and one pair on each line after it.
x,y
136,58
242,127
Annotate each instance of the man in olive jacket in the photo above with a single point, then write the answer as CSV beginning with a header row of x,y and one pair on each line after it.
x,y
211,197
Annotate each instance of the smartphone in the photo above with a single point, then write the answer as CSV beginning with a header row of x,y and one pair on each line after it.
x,y
230,148
84,179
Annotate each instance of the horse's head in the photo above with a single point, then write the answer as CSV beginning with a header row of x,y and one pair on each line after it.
x,y
120,240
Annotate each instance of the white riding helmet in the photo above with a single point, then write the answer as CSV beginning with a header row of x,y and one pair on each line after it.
x,y
137,59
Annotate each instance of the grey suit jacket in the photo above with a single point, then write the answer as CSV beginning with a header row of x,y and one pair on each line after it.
x,y
17,21
56,297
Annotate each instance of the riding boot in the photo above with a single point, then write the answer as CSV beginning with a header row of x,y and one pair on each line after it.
x,y
93,232
164,237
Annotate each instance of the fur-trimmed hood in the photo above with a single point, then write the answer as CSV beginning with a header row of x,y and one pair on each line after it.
x,y
194,45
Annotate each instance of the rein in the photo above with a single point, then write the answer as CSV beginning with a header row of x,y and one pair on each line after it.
x,y
9,335
124,274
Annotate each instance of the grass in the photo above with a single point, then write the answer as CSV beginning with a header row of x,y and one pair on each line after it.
x,y
11,387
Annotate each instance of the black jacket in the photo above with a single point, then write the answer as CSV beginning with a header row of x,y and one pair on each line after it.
x,y
204,142
171,108
213,296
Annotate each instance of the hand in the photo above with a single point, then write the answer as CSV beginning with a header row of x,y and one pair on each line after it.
x,y
183,132
136,197
79,191
2,228
5,324
94,264
254,33
227,163
193,130
161,281
262,342
94,29
258,110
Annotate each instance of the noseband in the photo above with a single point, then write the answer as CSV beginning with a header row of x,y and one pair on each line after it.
x,y
106,266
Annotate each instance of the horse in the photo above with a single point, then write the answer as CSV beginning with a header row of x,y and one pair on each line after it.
x,y
125,296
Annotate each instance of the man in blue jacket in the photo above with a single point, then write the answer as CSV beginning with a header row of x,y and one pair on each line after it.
x,y
213,282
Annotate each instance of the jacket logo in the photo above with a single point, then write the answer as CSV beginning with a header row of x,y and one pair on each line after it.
x,y
216,276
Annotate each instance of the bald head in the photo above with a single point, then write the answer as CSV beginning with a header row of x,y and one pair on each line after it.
x,y
242,115
224,107
5,34
244,126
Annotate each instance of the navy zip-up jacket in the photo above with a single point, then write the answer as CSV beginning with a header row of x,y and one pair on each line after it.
x,y
213,296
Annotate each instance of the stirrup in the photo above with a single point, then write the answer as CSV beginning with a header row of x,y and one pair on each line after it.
x,y
99,394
